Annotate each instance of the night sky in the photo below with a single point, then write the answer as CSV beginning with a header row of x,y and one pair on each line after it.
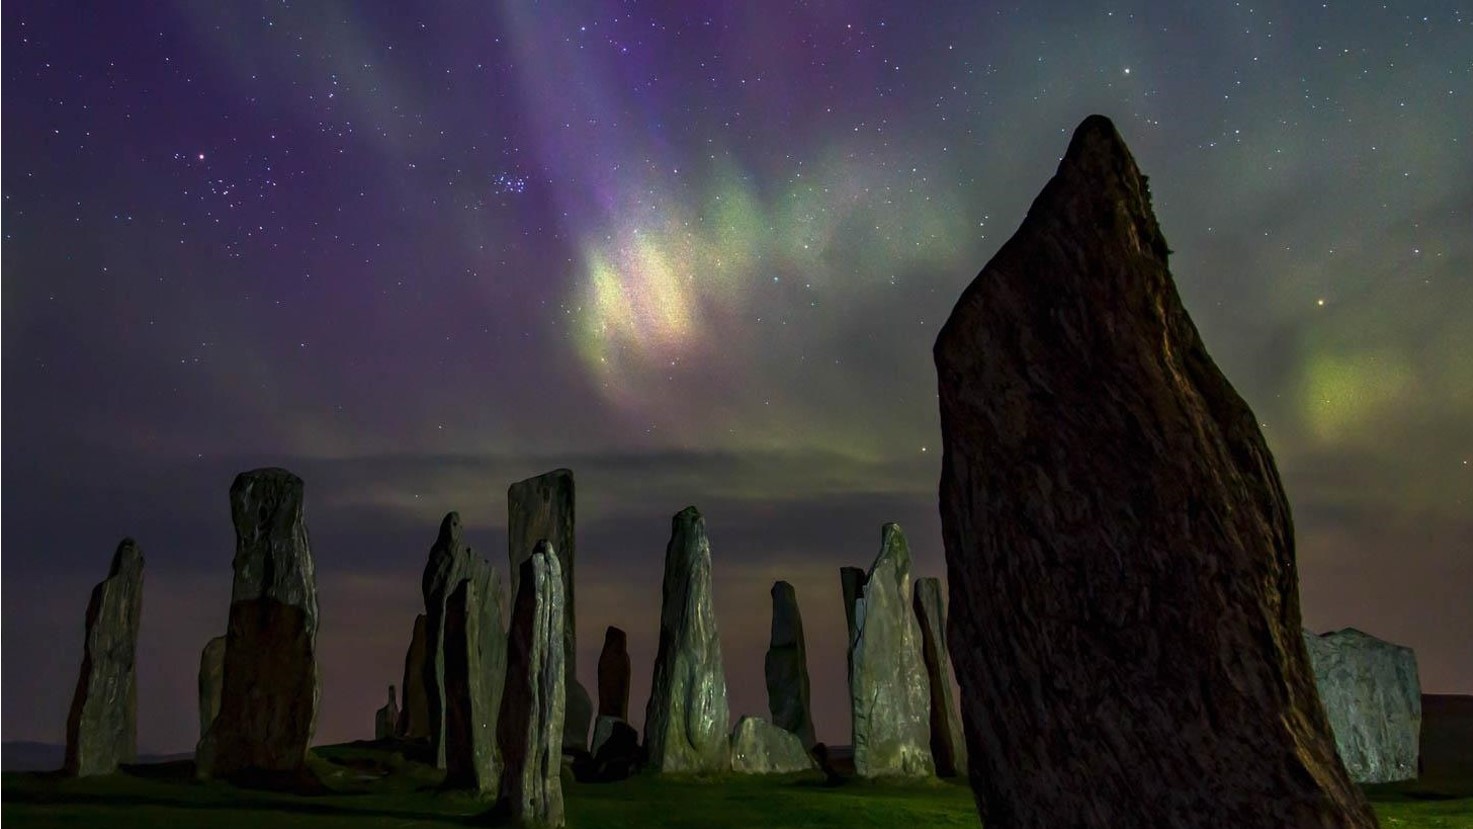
x,y
698,252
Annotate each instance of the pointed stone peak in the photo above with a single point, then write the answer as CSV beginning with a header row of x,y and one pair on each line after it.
x,y
449,538
893,545
128,556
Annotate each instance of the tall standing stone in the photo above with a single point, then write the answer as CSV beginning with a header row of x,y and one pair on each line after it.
x,y
1125,610
613,675
890,698
786,667
268,706
685,722
531,723
449,564
211,679
851,582
538,508
948,747
474,670
414,716
102,726
1373,699
386,718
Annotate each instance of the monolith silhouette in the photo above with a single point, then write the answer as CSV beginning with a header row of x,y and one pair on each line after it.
x,y
102,726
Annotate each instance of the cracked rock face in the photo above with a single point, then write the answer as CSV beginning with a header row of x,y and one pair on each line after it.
x,y
759,747
889,693
268,703
1372,696
102,726
948,747
786,667
543,507
530,728
687,716
1125,617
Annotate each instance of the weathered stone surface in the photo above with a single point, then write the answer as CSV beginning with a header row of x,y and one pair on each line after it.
x,y
759,747
613,677
786,667
211,680
1373,698
538,508
1125,614
851,582
414,717
948,746
603,727
474,648
685,722
449,564
889,695
102,725
531,724
268,705
386,718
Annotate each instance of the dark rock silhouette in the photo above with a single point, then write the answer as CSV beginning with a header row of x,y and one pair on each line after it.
x,y
386,718
474,674
268,704
616,752
1373,699
685,722
102,725
542,507
531,723
449,564
1125,615
889,695
211,679
613,675
786,667
948,746
851,582
414,716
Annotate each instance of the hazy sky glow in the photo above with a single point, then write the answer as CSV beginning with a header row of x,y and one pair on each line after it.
x,y
698,252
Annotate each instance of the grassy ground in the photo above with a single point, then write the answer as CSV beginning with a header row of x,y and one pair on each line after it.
x,y
369,788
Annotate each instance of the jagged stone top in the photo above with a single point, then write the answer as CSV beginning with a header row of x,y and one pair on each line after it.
x,y
273,558
127,559
1350,633
449,562
615,638
893,547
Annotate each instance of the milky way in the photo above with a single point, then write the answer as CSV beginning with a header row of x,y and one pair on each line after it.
x,y
698,252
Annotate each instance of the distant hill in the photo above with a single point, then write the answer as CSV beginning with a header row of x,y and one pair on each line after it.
x,y
25,755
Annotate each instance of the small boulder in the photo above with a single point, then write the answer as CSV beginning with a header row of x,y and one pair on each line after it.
x,y
1371,694
759,747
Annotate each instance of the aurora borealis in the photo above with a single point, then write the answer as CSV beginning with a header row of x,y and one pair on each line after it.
x,y
697,252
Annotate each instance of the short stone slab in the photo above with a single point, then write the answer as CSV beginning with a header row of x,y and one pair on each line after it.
x,y
1371,693
759,747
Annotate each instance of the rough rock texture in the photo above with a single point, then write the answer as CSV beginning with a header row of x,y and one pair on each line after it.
x,y
613,677
268,705
474,648
603,728
615,751
786,667
948,747
540,508
685,722
449,564
1124,601
531,723
851,582
102,726
385,719
211,680
1372,696
414,717
889,694
759,747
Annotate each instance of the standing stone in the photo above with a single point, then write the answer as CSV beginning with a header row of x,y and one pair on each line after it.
x,y
888,691
1373,699
102,726
615,750
414,717
211,679
531,723
948,747
786,667
268,707
386,718
1125,610
613,676
448,565
686,719
851,581
474,672
759,747
542,508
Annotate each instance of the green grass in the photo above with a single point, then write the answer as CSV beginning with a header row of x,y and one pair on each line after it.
x,y
369,788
